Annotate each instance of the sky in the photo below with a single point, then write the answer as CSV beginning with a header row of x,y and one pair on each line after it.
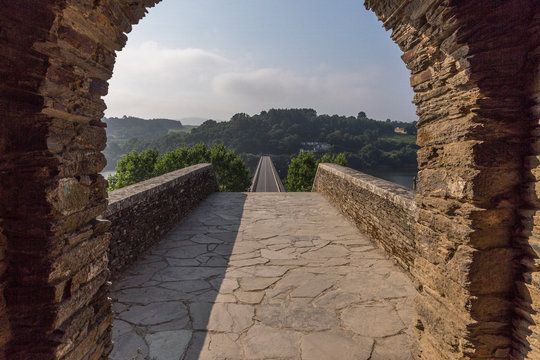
x,y
216,58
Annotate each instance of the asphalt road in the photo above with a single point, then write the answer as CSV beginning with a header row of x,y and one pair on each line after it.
x,y
268,178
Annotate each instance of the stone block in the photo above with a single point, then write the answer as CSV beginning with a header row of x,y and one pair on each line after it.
x,y
80,299
70,196
443,329
422,77
73,259
80,42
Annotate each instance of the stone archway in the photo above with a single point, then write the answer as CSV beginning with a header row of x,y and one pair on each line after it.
x,y
472,77
474,68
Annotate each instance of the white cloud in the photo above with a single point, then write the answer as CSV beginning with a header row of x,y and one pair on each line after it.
x,y
154,81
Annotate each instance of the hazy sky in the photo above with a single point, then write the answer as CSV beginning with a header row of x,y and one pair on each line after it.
x,y
215,58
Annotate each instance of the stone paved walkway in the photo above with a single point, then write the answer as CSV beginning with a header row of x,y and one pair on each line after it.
x,y
263,276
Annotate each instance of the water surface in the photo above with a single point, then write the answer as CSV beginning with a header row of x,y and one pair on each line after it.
x,y
398,176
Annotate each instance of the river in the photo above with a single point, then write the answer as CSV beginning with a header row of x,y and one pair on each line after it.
x,y
106,174
398,176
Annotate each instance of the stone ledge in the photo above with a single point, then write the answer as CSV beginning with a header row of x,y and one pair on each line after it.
x,y
129,195
390,191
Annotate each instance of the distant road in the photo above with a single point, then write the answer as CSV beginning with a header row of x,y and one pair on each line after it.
x,y
267,177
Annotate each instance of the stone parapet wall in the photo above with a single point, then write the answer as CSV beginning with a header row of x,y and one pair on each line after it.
x,y
141,214
384,210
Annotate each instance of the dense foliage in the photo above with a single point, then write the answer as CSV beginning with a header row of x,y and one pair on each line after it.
x,y
367,143
303,168
129,127
134,167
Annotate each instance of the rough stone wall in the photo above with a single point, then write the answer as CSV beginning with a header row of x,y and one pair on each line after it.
x,y
141,214
55,60
527,299
468,63
383,210
20,105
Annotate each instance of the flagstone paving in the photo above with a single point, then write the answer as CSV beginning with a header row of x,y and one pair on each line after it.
x,y
263,276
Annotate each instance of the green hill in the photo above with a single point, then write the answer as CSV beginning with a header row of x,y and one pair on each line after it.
x,y
122,129
368,143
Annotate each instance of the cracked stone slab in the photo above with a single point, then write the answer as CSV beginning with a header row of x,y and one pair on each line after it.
x,y
329,251
248,262
217,346
226,298
200,314
297,316
205,239
145,295
268,271
263,342
315,287
232,318
129,346
249,297
168,345
187,286
276,255
392,348
225,286
155,313
336,300
255,283
373,320
189,273
184,252
336,345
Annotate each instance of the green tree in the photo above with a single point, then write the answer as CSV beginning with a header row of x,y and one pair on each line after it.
x,y
301,172
133,168
230,169
303,168
370,156
339,159
172,160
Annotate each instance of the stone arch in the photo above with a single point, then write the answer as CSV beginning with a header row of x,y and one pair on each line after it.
x,y
474,68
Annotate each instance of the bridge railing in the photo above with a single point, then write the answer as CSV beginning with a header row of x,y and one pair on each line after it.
x,y
141,214
279,183
384,210
255,176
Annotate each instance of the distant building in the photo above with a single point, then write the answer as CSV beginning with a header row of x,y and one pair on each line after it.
x,y
399,130
314,146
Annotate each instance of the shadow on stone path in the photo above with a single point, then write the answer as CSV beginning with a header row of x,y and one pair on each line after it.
x,y
263,276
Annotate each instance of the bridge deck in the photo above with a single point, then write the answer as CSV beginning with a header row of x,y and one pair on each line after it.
x,y
266,177
263,276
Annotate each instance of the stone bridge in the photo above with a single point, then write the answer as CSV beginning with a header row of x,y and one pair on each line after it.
x,y
474,243
264,276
